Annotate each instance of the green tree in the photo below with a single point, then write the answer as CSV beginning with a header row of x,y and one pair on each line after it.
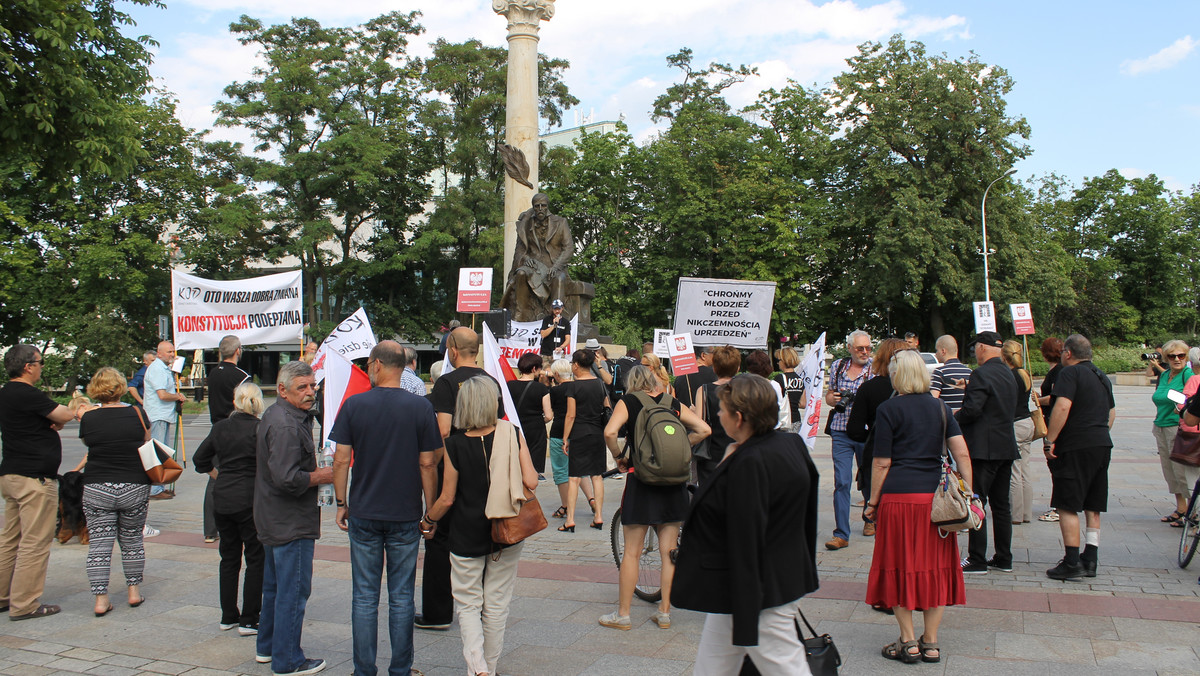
x,y
922,137
334,114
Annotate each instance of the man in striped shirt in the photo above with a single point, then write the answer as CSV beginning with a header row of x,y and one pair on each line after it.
x,y
950,379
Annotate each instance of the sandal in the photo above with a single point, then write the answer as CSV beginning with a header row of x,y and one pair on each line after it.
x,y
1052,516
925,649
900,651
560,513
1172,518
592,504
1177,523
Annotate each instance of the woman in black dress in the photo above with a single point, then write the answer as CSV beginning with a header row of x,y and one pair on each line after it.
x,y
532,400
644,505
583,437
726,361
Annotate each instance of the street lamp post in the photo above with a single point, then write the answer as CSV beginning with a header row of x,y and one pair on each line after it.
x,y
987,290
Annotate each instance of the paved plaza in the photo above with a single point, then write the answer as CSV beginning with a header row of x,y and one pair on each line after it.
x,y
1140,615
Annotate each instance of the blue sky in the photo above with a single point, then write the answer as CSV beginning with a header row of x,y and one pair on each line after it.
x,y
1103,85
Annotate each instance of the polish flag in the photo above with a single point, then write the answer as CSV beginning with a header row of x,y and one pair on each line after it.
x,y
342,381
499,368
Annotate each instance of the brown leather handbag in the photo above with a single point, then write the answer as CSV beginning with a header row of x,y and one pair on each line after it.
x,y
514,529
1186,449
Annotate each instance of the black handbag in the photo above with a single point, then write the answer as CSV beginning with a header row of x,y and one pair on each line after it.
x,y
822,655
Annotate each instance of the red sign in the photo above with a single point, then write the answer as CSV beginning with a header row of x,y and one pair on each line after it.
x,y
1022,316
474,289
683,357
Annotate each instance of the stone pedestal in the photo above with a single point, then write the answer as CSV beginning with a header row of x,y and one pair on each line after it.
x,y
521,120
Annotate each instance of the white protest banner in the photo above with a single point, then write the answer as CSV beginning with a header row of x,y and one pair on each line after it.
x,y
985,316
1022,318
525,339
725,311
257,310
474,289
812,370
683,355
497,367
353,338
661,349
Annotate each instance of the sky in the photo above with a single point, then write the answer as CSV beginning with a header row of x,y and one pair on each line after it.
x,y
1104,85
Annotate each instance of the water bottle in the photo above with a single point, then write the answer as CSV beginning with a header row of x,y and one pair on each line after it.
x,y
324,491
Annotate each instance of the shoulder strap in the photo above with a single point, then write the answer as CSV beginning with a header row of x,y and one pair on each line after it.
x,y
945,448
137,413
521,399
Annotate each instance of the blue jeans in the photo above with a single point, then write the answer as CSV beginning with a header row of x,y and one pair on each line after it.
x,y
372,544
846,453
161,430
287,582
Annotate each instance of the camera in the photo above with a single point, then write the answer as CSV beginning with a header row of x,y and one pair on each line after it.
x,y
1151,356
846,400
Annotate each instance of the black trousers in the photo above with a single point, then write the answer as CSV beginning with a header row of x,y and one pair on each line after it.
x,y
239,538
991,479
437,603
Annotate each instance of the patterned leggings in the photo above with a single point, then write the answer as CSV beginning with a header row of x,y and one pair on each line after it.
x,y
115,511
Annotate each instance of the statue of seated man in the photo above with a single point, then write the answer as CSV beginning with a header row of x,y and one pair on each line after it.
x,y
539,273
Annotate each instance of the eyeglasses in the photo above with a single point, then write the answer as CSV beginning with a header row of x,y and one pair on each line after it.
x,y
1176,356
41,362
862,348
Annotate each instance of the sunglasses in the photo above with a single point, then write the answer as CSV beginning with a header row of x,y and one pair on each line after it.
x,y
41,362
1176,356
862,348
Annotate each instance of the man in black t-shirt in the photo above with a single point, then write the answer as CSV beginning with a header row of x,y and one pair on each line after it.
x,y
554,332
685,386
29,426
1078,455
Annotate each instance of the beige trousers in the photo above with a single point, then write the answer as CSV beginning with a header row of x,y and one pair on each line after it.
x,y
1021,485
482,590
30,510
1179,479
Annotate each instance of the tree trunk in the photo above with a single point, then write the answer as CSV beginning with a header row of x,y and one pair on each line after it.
x,y
936,324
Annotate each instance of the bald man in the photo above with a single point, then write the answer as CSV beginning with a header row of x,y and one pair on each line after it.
x,y
161,395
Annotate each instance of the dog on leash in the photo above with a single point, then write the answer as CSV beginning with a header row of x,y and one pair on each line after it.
x,y
71,521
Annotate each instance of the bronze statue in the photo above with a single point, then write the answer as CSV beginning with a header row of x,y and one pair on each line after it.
x,y
539,273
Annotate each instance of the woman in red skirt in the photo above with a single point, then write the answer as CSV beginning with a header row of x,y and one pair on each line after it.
x,y
914,567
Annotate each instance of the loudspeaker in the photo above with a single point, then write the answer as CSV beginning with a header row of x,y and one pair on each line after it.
x,y
499,321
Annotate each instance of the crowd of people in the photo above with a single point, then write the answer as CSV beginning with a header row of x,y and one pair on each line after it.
x,y
440,469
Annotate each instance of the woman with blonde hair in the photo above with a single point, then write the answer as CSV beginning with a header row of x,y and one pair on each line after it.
x,y
913,567
485,467
232,445
116,490
1021,484
652,362
791,383
644,505
1166,423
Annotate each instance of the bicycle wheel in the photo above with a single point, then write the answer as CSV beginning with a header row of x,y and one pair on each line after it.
x,y
1190,537
648,586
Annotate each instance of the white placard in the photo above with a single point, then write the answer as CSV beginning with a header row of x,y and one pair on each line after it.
x,y
985,316
474,289
661,349
812,370
725,311
353,338
683,355
257,310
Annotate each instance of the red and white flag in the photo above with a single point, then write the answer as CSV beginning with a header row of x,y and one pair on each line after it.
x,y
342,381
498,367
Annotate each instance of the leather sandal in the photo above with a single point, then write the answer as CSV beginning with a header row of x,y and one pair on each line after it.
x,y
925,649
1172,518
592,504
560,513
900,651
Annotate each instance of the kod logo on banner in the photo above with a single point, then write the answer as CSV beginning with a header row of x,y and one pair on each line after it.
x,y
189,292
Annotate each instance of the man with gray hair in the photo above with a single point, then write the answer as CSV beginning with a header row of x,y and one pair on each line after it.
x,y
845,377
409,380
394,439
222,380
287,518
948,381
1078,455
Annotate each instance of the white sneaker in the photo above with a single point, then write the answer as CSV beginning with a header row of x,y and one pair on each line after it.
x,y
262,659
149,531
248,630
227,627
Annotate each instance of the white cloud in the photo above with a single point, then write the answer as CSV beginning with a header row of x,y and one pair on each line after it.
x,y
1163,59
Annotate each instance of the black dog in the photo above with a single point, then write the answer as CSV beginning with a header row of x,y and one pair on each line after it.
x,y
71,521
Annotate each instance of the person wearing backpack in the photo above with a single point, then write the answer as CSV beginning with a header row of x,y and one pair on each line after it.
x,y
657,457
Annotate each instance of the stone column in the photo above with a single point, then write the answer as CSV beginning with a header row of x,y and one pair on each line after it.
x,y
521,119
